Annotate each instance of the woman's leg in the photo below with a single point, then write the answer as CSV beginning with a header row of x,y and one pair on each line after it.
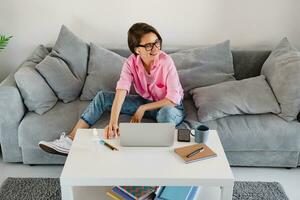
x,y
80,124
93,112
170,114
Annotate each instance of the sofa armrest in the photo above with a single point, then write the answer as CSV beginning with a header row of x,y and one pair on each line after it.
x,y
12,111
11,103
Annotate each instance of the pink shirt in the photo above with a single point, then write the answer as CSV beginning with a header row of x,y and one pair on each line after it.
x,y
162,82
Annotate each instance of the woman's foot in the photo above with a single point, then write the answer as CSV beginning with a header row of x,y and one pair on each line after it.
x,y
59,146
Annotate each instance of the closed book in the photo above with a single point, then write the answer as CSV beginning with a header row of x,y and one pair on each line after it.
x,y
121,193
138,192
158,190
192,194
114,195
190,153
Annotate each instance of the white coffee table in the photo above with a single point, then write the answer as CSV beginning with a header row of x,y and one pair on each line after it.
x,y
92,164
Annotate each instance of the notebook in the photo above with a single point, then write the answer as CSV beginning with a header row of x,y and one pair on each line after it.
x,y
203,154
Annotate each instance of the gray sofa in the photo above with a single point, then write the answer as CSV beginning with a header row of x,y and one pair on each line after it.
x,y
249,140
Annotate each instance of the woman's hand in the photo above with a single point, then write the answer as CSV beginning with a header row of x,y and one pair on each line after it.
x,y
138,115
111,131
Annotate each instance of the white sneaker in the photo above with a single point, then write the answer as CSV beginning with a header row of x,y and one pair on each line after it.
x,y
59,146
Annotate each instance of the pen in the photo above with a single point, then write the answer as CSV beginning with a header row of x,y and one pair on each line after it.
x,y
108,145
195,152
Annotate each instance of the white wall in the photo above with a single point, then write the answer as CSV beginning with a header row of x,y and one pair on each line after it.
x,y
249,24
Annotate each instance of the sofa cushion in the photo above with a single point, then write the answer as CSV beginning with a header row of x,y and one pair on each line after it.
x,y
60,78
103,71
38,54
37,95
267,132
73,51
204,66
247,96
282,71
65,68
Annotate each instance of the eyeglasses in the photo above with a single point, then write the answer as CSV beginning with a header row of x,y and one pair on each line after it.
x,y
149,46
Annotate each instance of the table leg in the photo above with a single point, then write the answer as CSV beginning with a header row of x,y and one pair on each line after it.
x,y
226,192
66,192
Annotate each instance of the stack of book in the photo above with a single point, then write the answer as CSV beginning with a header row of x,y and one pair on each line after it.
x,y
132,192
153,192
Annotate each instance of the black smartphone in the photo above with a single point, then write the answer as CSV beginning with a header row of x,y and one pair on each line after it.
x,y
183,135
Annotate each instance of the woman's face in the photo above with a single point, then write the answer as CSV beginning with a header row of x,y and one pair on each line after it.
x,y
149,48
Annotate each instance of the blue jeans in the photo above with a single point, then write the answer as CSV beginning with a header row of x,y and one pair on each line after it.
x,y
103,102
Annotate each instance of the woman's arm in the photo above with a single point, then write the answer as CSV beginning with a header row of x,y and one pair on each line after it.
x,y
122,88
117,104
157,104
112,129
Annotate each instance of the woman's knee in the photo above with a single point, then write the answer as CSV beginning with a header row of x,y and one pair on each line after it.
x,y
102,99
104,96
99,94
168,114
99,98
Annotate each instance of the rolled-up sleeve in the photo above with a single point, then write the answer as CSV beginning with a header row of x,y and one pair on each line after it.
x,y
126,78
174,89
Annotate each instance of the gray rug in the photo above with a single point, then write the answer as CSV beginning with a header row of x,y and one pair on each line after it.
x,y
258,191
49,188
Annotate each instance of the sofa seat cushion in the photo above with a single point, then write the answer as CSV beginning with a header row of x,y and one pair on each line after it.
x,y
48,126
61,118
267,132
264,132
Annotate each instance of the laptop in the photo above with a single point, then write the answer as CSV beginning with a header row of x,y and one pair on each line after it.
x,y
146,134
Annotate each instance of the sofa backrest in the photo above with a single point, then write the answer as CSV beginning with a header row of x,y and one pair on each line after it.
x,y
246,63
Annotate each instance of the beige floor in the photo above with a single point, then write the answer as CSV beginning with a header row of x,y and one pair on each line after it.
x,y
290,179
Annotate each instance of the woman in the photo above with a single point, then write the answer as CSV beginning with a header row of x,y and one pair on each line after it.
x,y
155,80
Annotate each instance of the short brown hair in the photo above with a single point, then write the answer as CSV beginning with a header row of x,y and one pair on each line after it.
x,y
136,32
